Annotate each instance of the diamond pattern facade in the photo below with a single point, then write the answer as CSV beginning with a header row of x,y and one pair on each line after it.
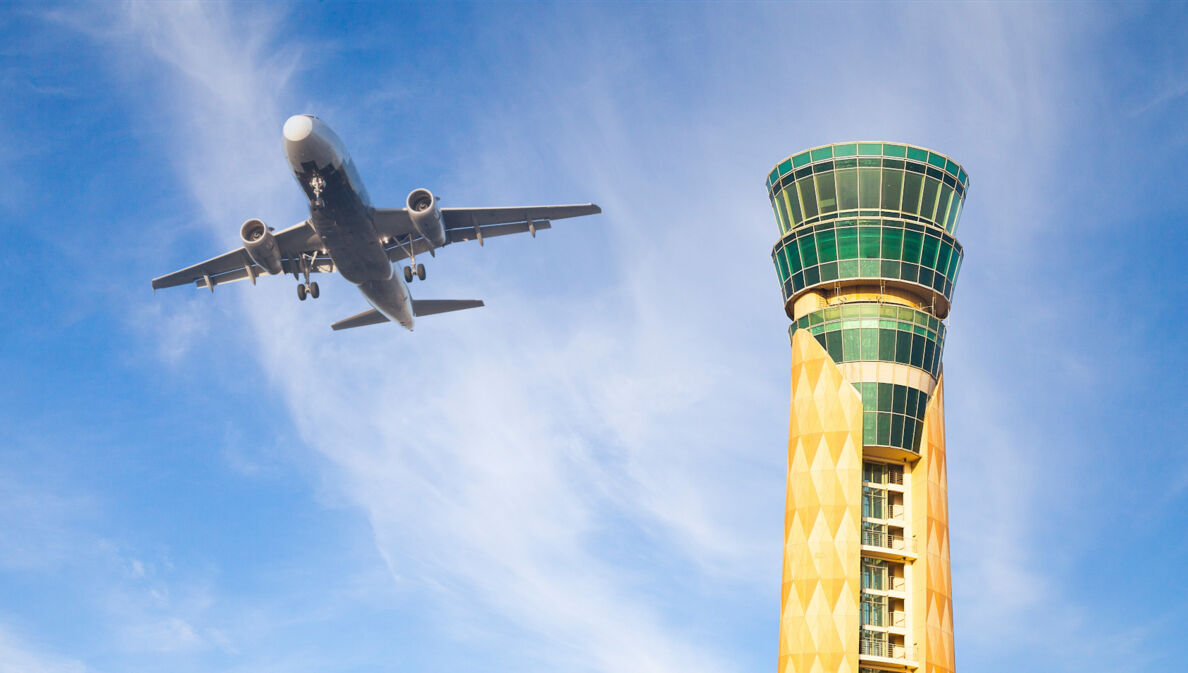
x,y
935,595
819,608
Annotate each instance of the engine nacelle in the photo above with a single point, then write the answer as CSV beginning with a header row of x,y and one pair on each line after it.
x,y
261,246
422,208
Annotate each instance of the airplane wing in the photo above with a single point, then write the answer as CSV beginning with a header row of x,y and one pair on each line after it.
x,y
461,218
471,224
237,265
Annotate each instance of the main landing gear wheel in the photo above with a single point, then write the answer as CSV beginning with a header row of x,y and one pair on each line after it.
x,y
408,274
301,292
313,289
421,271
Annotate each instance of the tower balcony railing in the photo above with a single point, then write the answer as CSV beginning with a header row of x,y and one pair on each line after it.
x,y
888,545
891,541
870,647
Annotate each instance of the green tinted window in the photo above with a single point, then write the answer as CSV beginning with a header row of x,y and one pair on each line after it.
x,y
848,150
884,429
828,271
827,245
894,150
808,197
847,189
870,344
781,263
812,275
793,204
942,204
822,153
794,264
869,243
917,154
912,241
954,214
936,160
892,243
800,159
942,261
887,345
826,194
868,183
870,149
928,201
884,396
892,187
808,252
931,243
847,245
917,351
850,345
833,344
903,347
911,192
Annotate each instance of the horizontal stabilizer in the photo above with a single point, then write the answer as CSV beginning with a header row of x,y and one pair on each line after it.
x,y
431,306
372,317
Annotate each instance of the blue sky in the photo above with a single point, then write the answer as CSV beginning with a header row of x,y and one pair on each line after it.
x,y
588,474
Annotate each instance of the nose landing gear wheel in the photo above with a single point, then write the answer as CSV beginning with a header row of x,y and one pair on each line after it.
x,y
408,274
313,289
301,292
421,271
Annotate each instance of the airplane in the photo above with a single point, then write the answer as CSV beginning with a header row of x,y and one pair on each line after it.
x,y
345,233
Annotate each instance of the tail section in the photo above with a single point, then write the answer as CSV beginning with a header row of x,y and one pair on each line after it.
x,y
372,317
420,307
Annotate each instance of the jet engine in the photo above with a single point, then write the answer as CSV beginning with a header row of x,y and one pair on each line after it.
x,y
422,208
261,246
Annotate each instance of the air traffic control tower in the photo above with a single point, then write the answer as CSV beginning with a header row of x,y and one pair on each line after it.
x,y
867,262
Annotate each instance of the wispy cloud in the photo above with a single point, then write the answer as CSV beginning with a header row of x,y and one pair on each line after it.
x,y
17,656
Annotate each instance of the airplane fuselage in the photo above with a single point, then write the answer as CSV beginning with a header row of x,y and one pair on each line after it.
x,y
340,211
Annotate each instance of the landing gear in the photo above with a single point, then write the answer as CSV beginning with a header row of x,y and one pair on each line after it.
x,y
310,290
410,271
307,288
413,269
317,185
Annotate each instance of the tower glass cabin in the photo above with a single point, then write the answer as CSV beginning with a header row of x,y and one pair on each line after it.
x,y
867,261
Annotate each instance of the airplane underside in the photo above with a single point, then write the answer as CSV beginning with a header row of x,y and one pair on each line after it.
x,y
345,233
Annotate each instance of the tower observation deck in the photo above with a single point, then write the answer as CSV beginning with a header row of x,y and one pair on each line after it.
x,y
867,261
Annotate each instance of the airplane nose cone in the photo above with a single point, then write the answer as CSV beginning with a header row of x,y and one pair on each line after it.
x,y
298,128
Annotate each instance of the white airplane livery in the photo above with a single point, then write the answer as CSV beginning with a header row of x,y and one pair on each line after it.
x,y
345,233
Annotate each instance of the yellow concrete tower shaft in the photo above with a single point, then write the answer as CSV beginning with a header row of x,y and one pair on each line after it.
x,y
867,262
